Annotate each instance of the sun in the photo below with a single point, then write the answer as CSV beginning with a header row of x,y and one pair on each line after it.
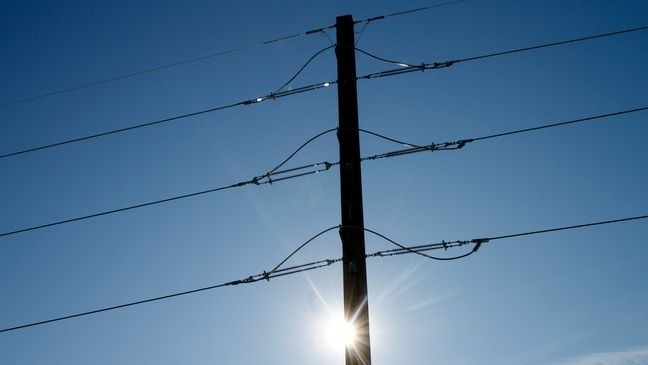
x,y
340,333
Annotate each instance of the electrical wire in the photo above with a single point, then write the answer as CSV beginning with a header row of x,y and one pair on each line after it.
x,y
267,178
277,267
438,65
410,11
213,55
162,67
277,271
271,96
573,121
463,142
250,279
478,241
382,59
389,138
304,66
413,250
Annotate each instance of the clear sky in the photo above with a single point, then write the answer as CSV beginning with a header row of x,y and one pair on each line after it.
x,y
576,297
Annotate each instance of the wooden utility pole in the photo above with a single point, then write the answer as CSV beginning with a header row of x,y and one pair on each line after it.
x,y
356,306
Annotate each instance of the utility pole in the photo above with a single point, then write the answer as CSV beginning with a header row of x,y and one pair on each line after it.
x,y
356,306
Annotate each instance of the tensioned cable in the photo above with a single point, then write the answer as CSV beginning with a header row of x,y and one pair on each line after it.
x,y
325,166
250,279
212,55
163,67
410,11
479,241
462,142
276,272
407,68
415,251
367,21
280,93
267,178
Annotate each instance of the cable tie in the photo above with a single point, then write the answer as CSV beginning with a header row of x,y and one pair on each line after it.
x,y
266,276
423,66
445,245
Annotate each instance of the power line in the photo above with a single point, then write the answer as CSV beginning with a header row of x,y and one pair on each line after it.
x,y
367,21
410,11
478,241
162,67
574,121
455,145
277,271
407,68
209,56
280,93
303,67
250,279
417,250
267,178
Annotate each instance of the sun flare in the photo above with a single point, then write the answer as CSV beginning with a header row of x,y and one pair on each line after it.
x,y
340,333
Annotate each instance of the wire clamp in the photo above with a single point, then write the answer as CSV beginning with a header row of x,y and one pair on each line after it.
x,y
445,245
266,275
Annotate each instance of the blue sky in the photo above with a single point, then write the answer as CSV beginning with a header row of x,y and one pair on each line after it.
x,y
575,297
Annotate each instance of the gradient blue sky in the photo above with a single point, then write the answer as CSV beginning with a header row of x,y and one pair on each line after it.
x,y
575,297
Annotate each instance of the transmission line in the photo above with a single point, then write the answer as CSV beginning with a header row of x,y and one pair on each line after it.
x,y
267,178
163,67
209,56
478,241
315,168
410,11
455,145
277,271
250,279
407,67
280,93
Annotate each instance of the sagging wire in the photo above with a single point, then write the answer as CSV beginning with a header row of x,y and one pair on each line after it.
x,y
303,67
382,59
417,249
